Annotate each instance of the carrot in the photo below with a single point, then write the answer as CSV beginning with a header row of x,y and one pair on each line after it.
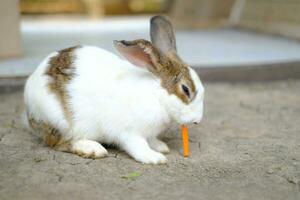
x,y
185,140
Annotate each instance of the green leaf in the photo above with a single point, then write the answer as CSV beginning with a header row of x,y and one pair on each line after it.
x,y
132,175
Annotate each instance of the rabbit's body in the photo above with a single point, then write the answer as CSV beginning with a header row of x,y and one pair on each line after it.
x,y
104,97
126,97
84,95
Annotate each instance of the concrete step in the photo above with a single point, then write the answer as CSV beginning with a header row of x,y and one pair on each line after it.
x,y
217,54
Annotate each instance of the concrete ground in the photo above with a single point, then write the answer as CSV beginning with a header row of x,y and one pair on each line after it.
x,y
247,147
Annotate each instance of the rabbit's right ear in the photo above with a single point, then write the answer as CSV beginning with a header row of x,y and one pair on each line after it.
x,y
141,53
162,35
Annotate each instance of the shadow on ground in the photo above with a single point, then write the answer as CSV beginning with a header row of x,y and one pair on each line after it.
x,y
248,147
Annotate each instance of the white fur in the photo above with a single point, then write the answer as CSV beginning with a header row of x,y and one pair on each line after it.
x,y
158,145
112,101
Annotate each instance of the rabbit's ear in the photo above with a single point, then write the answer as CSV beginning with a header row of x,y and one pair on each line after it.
x,y
140,53
162,35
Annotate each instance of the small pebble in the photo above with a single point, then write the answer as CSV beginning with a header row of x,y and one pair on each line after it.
x,y
37,159
270,171
293,180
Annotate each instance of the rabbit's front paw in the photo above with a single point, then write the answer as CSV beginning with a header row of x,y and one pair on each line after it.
x,y
152,158
89,149
138,148
158,145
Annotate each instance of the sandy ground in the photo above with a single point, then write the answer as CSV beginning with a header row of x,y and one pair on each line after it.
x,y
248,147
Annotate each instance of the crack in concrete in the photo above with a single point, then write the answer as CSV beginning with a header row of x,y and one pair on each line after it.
x,y
14,153
292,180
6,133
199,146
10,129
89,162
60,177
115,155
71,163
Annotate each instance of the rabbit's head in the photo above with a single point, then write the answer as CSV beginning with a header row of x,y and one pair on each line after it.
x,y
185,93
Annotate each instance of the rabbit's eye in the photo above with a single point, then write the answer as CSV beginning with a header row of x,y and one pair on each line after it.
x,y
186,90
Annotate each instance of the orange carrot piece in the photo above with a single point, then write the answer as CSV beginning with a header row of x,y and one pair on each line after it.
x,y
185,140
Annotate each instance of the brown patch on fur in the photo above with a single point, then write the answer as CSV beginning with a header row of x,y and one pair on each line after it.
x,y
173,75
169,68
172,72
61,72
54,139
52,136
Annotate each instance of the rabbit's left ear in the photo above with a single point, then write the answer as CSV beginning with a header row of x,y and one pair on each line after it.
x,y
140,53
162,36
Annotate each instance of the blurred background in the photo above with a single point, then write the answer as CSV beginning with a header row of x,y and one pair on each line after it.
x,y
247,53
222,39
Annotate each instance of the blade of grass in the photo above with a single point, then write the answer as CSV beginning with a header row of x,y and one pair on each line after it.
x,y
131,175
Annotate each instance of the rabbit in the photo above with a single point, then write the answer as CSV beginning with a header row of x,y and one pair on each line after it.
x,y
82,97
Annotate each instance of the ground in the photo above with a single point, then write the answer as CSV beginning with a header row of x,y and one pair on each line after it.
x,y
247,147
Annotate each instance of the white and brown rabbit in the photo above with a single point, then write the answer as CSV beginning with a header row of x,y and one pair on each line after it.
x,y
83,96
